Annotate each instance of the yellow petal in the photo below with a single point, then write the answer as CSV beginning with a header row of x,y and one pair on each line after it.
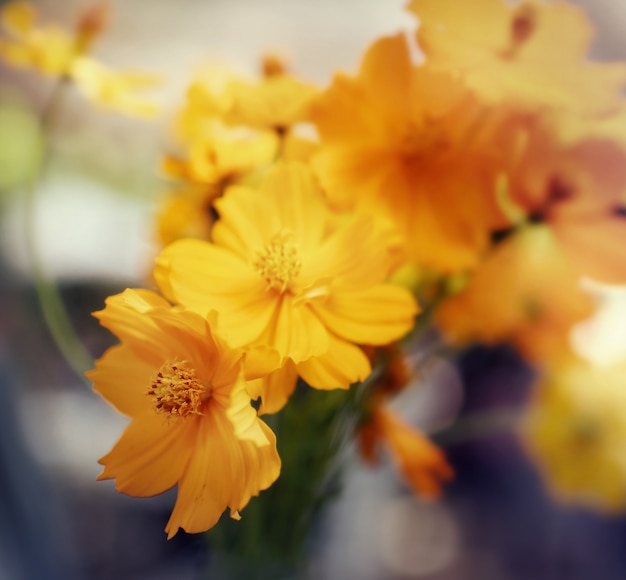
x,y
195,271
343,365
260,360
247,222
296,332
204,277
340,257
300,206
243,416
275,388
377,315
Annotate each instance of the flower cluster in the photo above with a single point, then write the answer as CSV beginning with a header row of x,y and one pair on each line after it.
x,y
466,177
480,179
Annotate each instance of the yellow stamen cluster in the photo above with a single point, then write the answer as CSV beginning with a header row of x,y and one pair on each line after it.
x,y
176,391
279,263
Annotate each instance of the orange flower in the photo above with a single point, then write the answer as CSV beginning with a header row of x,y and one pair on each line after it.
x,y
399,141
576,187
191,419
526,292
421,462
287,274
530,51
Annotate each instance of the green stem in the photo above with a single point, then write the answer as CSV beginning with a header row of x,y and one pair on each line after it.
x,y
51,303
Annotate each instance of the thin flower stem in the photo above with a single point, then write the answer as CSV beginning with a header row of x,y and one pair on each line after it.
x,y
51,303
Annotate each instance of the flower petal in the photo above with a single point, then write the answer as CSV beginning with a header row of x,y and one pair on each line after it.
x,y
150,456
338,368
296,332
123,379
223,472
275,388
377,315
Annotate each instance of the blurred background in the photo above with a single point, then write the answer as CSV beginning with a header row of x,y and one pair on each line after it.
x,y
92,232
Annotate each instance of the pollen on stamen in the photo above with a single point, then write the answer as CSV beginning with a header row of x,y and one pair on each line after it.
x,y
278,263
176,391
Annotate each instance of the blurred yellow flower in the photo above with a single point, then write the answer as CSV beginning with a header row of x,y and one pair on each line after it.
x,y
122,91
55,52
275,102
285,273
192,424
210,156
223,155
575,429
185,213
531,51
48,49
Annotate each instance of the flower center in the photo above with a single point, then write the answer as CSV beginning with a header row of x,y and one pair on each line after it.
x,y
176,391
278,263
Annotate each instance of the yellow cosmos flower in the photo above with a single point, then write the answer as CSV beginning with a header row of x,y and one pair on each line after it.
x,y
575,429
400,141
534,51
285,272
192,424
220,157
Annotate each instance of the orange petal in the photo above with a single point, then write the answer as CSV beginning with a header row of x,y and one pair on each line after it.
x,y
423,464
243,416
124,315
222,472
123,379
151,455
